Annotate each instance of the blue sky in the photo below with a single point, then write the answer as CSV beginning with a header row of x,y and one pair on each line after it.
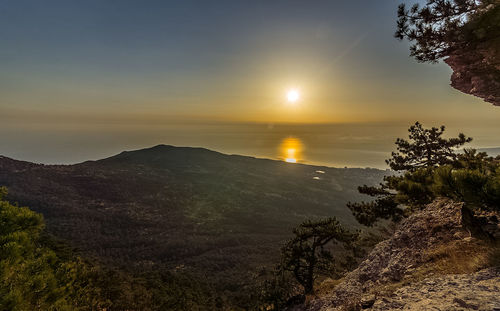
x,y
74,64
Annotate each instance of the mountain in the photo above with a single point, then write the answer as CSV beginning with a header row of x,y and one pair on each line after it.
x,y
188,210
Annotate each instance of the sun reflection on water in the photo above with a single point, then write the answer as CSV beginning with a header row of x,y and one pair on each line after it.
x,y
291,150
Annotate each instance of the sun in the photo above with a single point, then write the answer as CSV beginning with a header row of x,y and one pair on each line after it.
x,y
292,95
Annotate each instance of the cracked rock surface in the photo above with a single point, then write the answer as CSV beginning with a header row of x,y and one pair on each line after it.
x,y
403,272
476,291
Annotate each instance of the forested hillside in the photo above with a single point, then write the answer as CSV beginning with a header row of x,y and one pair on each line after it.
x,y
39,272
190,212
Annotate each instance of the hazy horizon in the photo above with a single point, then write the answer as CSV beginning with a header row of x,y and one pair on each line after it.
x,y
336,145
87,79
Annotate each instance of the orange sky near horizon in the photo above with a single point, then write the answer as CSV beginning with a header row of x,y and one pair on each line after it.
x,y
114,69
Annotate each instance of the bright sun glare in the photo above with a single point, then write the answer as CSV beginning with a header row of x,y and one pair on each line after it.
x,y
291,149
292,95
290,155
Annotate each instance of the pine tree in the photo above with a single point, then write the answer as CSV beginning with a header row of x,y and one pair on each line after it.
x,y
399,195
308,254
426,148
436,29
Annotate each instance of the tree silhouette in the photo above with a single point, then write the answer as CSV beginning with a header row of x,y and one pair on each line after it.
x,y
426,148
416,158
436,28
308,254
465,34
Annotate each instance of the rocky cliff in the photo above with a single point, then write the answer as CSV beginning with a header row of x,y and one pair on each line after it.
x,y
430,263
476,61
477,72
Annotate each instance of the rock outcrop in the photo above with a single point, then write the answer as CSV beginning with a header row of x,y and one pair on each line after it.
x,y
474,291
430,262
477,72
476,61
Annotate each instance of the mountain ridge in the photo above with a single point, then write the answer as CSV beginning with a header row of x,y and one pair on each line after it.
x,y
188,210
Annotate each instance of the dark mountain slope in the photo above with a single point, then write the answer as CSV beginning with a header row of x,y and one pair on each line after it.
x,y
185,209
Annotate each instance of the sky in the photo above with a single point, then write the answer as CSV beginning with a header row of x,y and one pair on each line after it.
x,y
85,79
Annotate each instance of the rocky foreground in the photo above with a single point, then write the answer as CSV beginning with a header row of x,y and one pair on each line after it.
x,y
473,291
430,263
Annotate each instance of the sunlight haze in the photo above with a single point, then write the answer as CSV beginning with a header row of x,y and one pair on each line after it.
x,y
121,67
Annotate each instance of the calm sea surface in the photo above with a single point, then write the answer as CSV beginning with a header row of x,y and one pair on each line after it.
x,y
339,145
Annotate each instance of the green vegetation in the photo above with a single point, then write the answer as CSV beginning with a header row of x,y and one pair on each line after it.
x,y
167,250
440,28
416,160
431,166
426,148
320,248
463,33
474,179
32,277
428,166
307,255
39,273
166,217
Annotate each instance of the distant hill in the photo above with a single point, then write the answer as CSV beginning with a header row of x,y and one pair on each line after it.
x,y
184,209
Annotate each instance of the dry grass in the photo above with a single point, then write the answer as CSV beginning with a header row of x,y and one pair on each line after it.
x,y
458,257
462,256
327,286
